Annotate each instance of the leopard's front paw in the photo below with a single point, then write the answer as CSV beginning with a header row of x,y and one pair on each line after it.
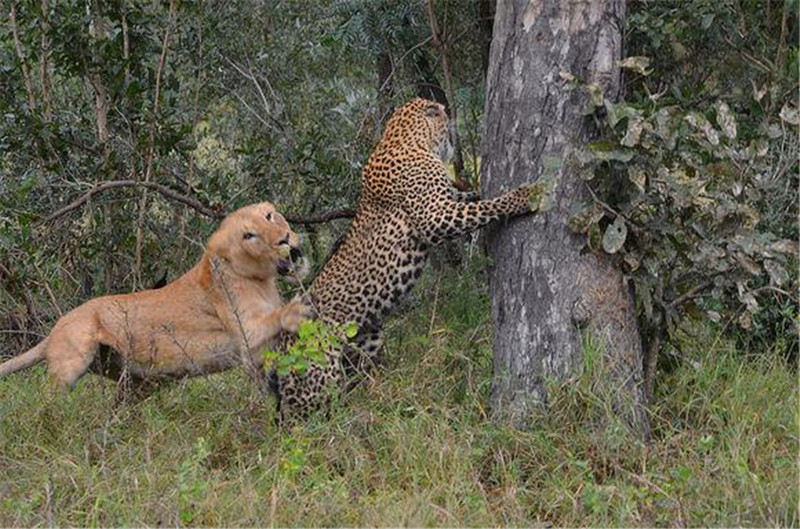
x,y
537,197
293,314
470,196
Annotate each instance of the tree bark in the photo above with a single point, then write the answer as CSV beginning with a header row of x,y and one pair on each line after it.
x,y
544,292
486,23
383,63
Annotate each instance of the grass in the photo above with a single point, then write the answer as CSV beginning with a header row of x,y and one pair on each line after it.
x,y
412,446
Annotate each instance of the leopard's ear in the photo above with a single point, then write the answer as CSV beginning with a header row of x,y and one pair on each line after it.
x,y
432,111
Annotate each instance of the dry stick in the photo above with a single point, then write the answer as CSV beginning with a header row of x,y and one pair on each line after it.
x,y
183,249
273,123
26,74
162,189
345,213
207,210
781,54
44,64
148,172
458,163
247,361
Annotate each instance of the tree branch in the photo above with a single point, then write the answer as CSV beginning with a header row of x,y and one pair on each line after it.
x,y
441,46
211,211
26,75
148,172
44,63
320,219
208,211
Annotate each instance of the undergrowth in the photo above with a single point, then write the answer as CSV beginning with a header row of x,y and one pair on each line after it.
x,y
412,445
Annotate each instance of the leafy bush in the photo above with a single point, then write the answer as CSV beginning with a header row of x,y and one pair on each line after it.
x,y
694,187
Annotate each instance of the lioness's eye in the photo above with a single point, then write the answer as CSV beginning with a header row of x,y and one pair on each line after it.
x,y
268,216
249,235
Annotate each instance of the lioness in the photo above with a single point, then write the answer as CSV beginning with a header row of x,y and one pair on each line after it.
x,y
220,313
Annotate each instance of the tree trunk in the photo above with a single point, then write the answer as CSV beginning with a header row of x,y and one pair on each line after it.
x,y
385,88
486,23
544,291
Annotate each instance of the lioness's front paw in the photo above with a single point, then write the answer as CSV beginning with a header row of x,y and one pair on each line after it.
x,y
294,313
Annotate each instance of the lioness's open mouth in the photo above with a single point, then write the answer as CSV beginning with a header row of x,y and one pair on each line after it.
x,y
284,266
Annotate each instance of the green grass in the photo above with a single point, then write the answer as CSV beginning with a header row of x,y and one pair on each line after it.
x,y
412,446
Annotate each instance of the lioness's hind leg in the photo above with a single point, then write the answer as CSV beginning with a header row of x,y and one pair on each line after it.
x,y
70,353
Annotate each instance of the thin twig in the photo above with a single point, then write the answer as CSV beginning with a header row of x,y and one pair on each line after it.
x,y
439,44
23,63
689,294
148,172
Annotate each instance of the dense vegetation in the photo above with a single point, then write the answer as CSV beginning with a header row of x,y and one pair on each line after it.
x,y
128,128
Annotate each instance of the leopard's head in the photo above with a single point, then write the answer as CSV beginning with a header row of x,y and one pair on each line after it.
x,y
423,123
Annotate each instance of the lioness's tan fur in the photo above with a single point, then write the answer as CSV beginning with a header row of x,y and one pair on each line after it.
x,y
220,313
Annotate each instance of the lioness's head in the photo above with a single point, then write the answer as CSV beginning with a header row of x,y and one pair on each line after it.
x,y
256,241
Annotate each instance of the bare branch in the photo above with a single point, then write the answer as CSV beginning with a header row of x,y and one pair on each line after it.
x,y
45,62
270,120
26,74
148,172
211,211
208,211
319,219
441,46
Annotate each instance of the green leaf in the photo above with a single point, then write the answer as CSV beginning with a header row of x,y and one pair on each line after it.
x,y
582,220
351,329
634,132
307,329
790,114
542,196
725,119
700,122
638,64
777,273
615,235
637,177
606,151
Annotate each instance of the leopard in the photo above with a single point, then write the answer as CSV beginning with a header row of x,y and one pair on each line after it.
x,y
407,205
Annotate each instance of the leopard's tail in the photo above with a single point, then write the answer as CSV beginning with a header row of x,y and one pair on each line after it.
x,y
26,359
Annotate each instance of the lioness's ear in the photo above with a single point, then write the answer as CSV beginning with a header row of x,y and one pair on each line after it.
x,y
218,246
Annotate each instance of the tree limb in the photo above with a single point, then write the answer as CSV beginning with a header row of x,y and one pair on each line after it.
x,y
211,211
148,172
208,211
44,63
345,213
26,75
441,46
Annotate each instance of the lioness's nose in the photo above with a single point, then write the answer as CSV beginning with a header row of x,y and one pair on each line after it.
x,y
295,254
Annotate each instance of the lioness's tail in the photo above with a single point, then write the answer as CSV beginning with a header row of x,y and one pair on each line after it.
x,y
24,360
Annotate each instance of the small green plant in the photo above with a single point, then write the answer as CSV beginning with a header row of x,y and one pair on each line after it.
x,y
191,485
315,340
